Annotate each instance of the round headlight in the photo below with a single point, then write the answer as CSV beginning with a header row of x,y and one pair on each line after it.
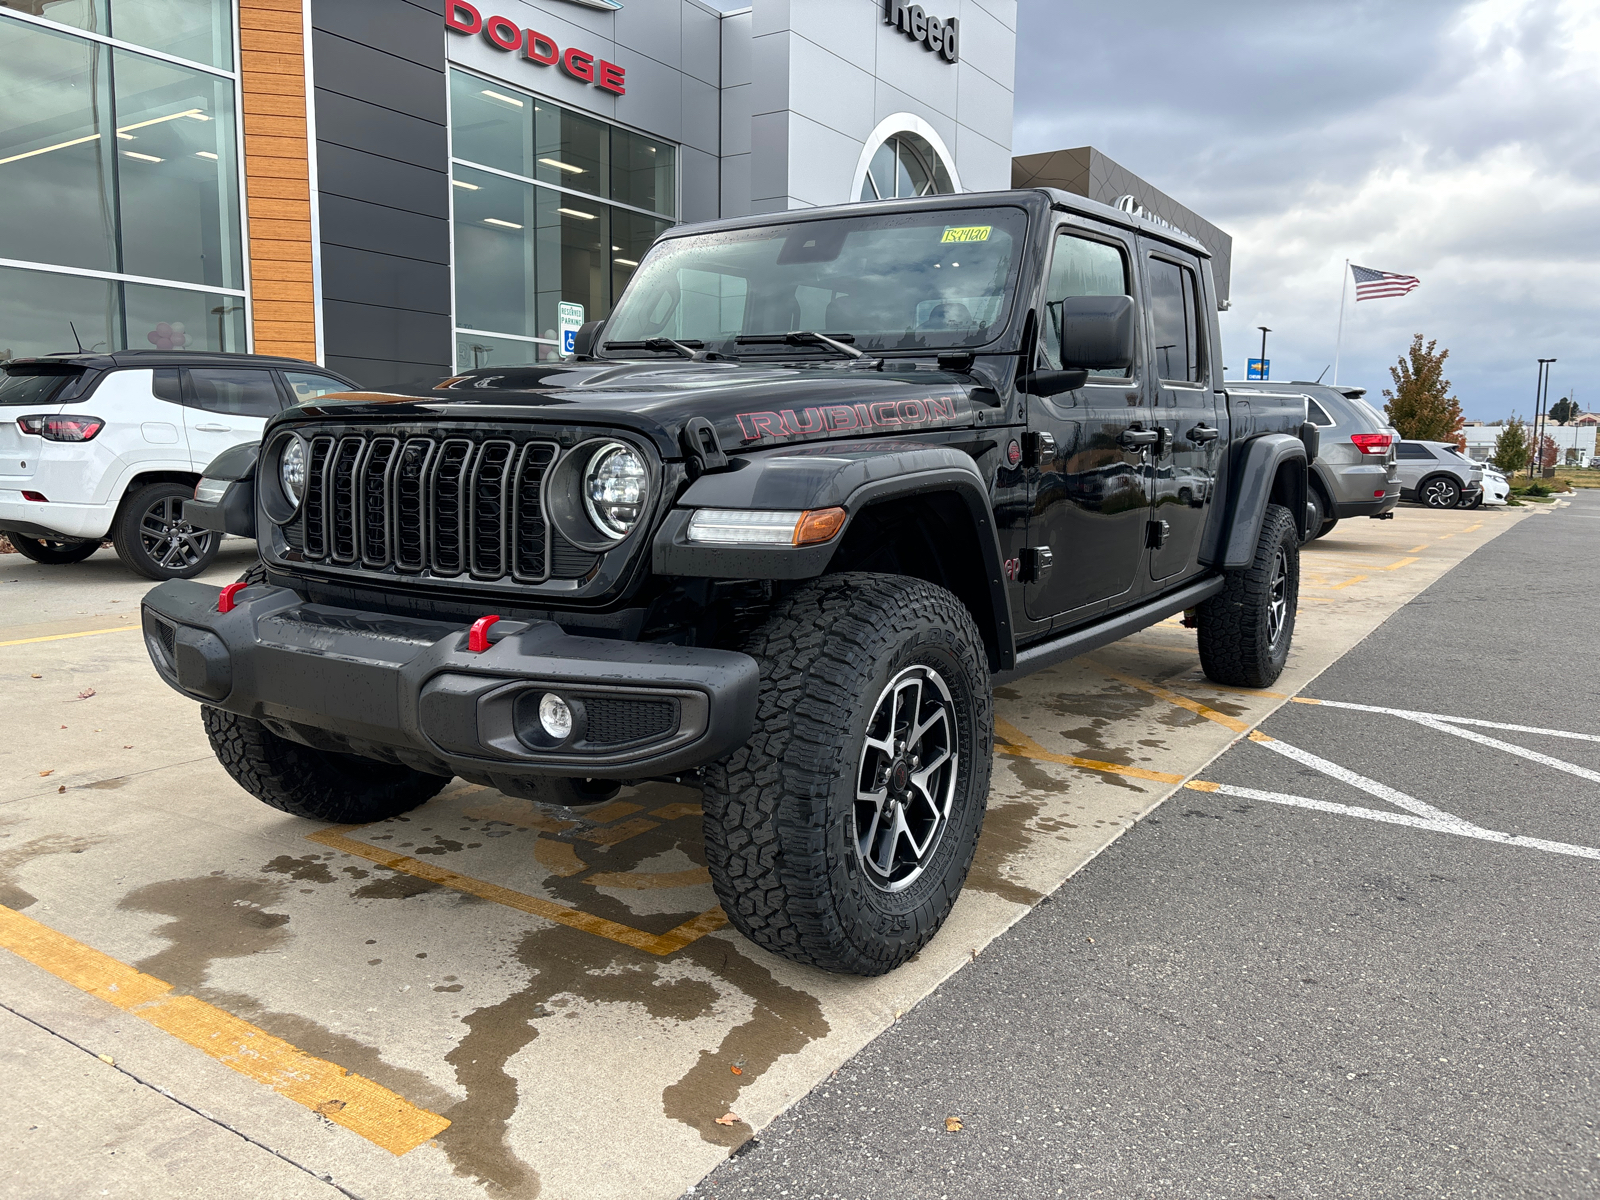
x,y
292,469
614,489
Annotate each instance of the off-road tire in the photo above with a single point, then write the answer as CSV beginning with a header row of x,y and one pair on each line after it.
x,y
130,530
319,784
1239,645
50,551
780,826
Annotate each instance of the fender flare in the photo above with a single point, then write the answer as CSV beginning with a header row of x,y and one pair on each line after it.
x,y
235,512
1254,488
851,475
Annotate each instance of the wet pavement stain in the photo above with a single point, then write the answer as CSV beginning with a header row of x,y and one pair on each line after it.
x,y
12,895
785,1020
1006,835
217,917
561,962
309,868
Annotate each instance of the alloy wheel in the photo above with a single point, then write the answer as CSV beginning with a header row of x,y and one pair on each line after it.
x,y
906,780
1441,493
171,542
1278,597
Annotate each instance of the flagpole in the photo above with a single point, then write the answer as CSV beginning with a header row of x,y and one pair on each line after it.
x,y
1344,286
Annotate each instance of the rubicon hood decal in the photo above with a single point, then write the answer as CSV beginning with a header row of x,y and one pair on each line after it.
x,y
923,413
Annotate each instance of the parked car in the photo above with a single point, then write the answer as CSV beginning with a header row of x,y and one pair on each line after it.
x,y
1496,487
1354,474
111,445
1437,475
789,566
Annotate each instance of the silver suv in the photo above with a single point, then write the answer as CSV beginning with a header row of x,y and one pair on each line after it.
x,y
1432,473
1354,474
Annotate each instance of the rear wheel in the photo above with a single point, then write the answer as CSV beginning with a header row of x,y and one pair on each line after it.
x,y
1439,491
1246,629
153,539
840,834
319,784
51,550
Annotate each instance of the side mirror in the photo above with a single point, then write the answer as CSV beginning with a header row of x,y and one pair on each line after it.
x,y
583,341
1097,333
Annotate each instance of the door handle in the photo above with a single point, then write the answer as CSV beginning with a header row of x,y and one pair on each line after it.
x,y
1129,438
210,428
1203,434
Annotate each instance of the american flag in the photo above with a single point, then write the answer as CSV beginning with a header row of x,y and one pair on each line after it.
x,y
1370,284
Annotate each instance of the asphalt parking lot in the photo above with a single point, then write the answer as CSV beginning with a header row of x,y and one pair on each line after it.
x,y
487,997
1322,969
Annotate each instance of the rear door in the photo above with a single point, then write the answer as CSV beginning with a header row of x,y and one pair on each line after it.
x,y
1184,463
1091,501
306,386
225,407
1415,460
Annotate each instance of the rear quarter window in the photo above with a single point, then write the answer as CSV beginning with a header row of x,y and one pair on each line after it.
x,y
1316,414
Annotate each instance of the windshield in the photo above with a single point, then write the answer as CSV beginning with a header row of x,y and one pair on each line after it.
x,y
901,281
33,385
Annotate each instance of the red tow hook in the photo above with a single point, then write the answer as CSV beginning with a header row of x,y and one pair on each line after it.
x,y
478,635
225,601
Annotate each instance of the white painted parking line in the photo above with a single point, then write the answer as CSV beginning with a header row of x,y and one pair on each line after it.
x,y
1412,714
1519,751
1452,825
1371,786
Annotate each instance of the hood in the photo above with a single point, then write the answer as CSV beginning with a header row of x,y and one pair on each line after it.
x,y
751,406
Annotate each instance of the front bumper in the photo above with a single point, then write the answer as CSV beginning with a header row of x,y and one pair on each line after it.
x,y
410,691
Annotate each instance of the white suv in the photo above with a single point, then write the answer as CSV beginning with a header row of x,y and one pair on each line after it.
x,y
111,445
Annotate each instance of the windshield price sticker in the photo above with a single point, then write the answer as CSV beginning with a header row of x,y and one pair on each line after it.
x,y
966,233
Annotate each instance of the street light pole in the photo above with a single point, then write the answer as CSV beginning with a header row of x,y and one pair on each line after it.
x,y
1541,392
1264,332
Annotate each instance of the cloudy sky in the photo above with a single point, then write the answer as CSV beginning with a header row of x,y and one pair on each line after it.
x,y
1458,142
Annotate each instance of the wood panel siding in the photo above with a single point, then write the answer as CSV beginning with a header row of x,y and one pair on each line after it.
x,y
277,151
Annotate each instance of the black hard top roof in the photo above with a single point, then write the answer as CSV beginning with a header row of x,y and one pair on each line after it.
x,y
1029,198
168,358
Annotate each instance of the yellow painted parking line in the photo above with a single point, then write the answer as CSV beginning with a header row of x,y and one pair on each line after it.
x,y
1424,546
1020,745
1470,528
1404,562
361,1106
652,943
1171,697
1353,579
56,637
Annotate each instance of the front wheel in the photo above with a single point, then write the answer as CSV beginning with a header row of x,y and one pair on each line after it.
x,y
841,833
51,551
153,539
1246,629
1439,491
320,784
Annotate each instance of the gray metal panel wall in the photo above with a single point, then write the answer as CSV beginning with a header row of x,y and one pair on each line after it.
x,y
383,188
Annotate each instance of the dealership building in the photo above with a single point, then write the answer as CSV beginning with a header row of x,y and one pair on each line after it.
x,y
403,188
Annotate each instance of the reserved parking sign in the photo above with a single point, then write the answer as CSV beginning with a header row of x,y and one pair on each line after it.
x,y
570,317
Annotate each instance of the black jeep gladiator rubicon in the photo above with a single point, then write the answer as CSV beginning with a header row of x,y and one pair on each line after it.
x,y
819,482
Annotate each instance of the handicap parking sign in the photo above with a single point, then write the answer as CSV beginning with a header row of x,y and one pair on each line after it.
x,y
571,320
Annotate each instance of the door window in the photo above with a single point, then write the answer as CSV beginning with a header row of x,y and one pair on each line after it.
x,y
1316,414
1414,450
1174,312
236,392
1081,267
305,386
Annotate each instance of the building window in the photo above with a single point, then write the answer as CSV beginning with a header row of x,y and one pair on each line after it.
x,y
551,206
120,226
905,165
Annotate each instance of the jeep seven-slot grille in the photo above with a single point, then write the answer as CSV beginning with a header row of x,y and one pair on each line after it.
x,y
449,506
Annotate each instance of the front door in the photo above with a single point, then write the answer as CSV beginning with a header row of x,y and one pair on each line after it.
x,y
1091,497
1183,463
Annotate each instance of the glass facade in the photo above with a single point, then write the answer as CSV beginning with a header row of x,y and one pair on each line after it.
x,y
118,164
550,206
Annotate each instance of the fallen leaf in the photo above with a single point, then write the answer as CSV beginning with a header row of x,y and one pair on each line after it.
x,y
127,747
735,1070
1090,941
35,676
952,1125
329,1107
51,771
107,1059
728,1119
62,788
85,694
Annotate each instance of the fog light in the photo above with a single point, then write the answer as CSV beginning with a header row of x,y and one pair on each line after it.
x,y
555,717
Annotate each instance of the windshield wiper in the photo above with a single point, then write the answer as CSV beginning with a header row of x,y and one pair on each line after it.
x,y
801,337
686,348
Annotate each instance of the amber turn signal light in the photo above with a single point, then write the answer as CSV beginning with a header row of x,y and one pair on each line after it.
x,y
818,525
